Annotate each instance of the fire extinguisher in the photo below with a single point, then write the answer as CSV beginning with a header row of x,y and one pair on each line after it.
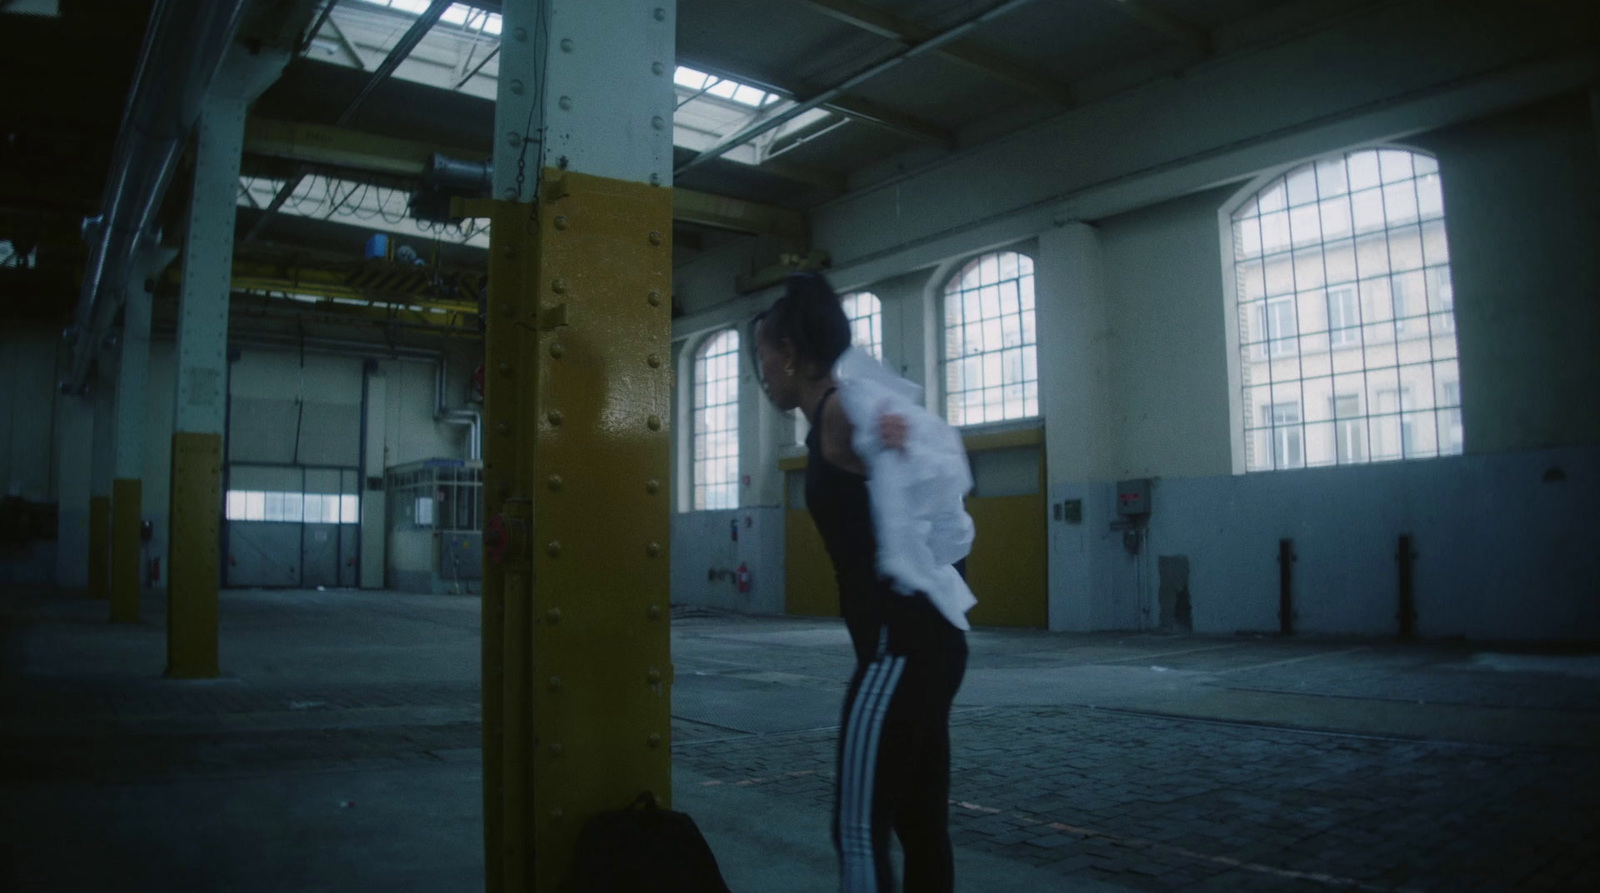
x,y
742,575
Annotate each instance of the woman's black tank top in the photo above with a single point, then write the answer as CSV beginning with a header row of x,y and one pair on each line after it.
x,y
839,507
842,510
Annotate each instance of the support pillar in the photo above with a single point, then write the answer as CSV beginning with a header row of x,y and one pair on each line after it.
x,y
127,499
195,515
74,476
576,671
1074,389
103,395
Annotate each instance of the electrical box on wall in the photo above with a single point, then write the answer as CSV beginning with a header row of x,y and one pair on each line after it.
x,y
1133,497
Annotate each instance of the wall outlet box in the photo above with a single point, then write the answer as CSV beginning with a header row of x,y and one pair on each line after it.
x,y
1133,497
1070,511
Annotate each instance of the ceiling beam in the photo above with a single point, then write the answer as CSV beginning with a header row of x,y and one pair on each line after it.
x,y
1156,19
949,35
893,27
738,215
326,145
865,111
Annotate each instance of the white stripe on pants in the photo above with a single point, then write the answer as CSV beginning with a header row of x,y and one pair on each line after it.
x,y
858,774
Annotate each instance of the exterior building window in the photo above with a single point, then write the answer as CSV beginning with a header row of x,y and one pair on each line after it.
x,y
1277,327
716,423
866,322
991,359
1288,445
1345,314
1351,429
1344,317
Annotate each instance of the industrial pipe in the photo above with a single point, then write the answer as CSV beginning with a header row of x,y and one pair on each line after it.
x,y
469,417
1286,560
1407,615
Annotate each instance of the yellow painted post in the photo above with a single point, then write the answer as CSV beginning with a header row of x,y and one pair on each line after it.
x,y
507,563
576,463
578,406
196,512
100,547
126,499
602,407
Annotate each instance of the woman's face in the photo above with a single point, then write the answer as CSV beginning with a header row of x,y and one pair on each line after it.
x,y
782,387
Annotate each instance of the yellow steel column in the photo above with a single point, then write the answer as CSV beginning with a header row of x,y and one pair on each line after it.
x,y
577,414
506,558
126,499
195,524
578,406
100,547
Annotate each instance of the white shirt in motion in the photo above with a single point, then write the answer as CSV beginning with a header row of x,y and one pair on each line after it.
x,y
922,526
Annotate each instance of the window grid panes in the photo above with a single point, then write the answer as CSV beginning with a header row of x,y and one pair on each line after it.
x,y
1346,317
293,508
716,423
991,355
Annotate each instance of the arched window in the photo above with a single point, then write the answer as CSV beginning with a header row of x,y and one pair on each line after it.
x,y
1345,316
990,345
866,321
716,422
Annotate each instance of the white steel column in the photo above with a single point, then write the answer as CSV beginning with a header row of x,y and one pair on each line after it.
x,y
1074,384
128,462
202,357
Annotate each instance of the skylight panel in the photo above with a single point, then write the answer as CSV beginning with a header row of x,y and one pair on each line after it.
x,y
685,76
749,96
722,88
459,14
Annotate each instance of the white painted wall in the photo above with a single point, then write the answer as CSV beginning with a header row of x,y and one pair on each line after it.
x,y
1503,552
1166,348
1522,205
1522,212
702,542
411,434
1134,346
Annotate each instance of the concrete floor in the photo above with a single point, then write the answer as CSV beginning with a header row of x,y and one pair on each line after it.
x,y
341,752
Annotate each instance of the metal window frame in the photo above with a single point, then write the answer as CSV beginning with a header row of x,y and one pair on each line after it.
x,y
953,289
1271,354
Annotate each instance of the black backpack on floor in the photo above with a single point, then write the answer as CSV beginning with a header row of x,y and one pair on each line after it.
x,y
645,849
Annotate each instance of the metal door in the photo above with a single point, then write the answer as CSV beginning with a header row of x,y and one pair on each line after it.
x,y
263,554
322,540
319,550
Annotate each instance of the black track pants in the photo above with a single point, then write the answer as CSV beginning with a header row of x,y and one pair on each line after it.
x,y
894,749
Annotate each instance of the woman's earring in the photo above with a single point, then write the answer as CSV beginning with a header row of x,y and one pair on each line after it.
x,y
788,369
